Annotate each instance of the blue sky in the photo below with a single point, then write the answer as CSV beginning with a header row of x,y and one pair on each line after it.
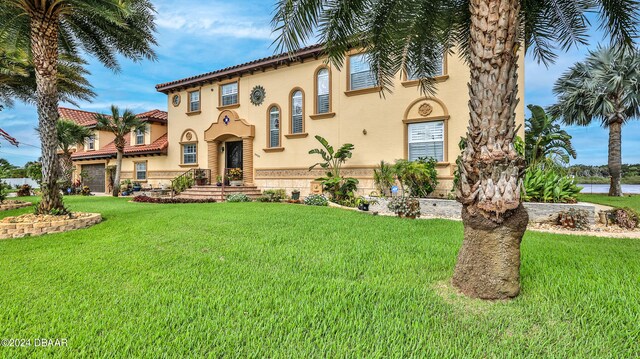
x,y
200,36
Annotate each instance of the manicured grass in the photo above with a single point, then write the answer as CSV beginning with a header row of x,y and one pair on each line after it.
x,y
631,201
276,280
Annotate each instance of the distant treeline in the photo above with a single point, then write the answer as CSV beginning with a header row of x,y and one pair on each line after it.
x,y
600,174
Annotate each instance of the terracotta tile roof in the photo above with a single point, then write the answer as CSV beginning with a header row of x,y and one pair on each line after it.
x,y
275,60
154,116
84,118
158,146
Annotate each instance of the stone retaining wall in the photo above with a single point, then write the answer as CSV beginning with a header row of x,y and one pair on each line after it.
x,y
8,205
24,229
445,208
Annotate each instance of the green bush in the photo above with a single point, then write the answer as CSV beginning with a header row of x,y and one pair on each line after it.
x,y
4,189
316,200
549,187
384,178
418,177
339,188
274,195
182,183
238,197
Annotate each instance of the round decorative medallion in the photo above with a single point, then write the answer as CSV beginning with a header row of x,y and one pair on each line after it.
x,y
175,100
425,109
257,95
189,136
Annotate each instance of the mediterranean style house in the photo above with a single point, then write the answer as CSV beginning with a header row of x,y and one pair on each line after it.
x,y
262,117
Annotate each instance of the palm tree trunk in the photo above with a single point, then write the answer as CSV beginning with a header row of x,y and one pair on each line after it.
x,y
66,168
44,45
615,157
116,181
491,170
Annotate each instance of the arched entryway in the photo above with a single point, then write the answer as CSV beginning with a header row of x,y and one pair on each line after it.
x,y
236,135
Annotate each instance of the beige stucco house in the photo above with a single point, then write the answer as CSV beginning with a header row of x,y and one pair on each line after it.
x,y
262,116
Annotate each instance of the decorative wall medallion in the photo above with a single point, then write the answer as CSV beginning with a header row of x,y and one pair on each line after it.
x,y
175,100
226,120
425,109
257,95
189,136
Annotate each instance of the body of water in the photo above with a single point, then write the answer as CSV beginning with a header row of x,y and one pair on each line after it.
x,y
604,188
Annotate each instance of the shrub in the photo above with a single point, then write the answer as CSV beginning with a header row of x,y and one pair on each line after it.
x,y
384,178
419,177
147,199
340,188
238,197
405,207
4,189
548,186
316,200
274,195
626,218
574,219
24,191
86,191
182,183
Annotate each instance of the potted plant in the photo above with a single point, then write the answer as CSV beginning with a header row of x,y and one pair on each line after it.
x,y
201,178
235,177
295,195
137,187
363,203
218,180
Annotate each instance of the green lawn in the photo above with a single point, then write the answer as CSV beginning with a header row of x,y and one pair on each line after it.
x,y
631,201
276,280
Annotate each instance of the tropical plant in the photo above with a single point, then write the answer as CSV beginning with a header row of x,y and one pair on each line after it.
x,y
238,197
605,86
543,185
419,178
274,195
384,178
70,134
340,188
34,170
182,183
45,29
546,143
235,174
316,200
120,127
4,189
398,35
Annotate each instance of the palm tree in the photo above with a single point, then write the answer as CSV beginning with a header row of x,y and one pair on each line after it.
x,y
120,126
401,34
103,28
546,143
606,86
70,134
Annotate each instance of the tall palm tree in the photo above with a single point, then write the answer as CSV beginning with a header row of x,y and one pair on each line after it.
x,y
546,143
120,126
70,134
605,86
400,34
103,28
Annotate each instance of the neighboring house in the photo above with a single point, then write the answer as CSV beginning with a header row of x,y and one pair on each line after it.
x,y
262,116
143,150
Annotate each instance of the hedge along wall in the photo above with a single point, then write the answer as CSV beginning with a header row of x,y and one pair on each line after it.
x,y
24,229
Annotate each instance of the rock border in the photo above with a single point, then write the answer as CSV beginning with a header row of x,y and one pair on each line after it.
x,y
9,205
25,229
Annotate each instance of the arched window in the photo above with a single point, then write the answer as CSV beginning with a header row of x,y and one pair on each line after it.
x,y
274,126
323,97
297,112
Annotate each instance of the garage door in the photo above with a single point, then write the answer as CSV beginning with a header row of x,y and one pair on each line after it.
x,y
93,176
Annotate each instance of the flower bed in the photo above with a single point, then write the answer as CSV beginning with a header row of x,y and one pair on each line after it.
x,y
35,225
161,200
9,205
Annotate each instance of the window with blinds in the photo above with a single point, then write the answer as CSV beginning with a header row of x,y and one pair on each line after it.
x,y
194,101
296,113
91,142
360,74
426,139
139,137
189,153
274,127
141,170
229,94
322,102
412,75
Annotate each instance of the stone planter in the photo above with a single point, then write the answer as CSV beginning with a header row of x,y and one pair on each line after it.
x,y
236,183
9,205
32,225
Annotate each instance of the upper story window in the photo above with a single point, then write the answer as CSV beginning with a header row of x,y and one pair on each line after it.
x,y
426,140
91,142
297,113
360,74
194,101
139,137
322,91
274,127
189,154
439,70
141,171
229,94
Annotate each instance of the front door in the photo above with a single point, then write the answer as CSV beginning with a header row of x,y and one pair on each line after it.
x,y
234,154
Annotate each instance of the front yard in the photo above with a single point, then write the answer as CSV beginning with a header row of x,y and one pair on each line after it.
x,y
276,280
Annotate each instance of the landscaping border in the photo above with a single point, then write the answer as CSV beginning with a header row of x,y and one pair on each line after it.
x,y
9,205
13,227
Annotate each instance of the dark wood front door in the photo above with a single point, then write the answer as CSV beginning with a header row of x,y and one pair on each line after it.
x,y
234,154
93,176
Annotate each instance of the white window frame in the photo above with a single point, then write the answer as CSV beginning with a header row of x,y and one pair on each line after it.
x,y
297,97
274,126
362,59
323,75
138,171
139,137
429,127
193,153
229,94
194,105
91,143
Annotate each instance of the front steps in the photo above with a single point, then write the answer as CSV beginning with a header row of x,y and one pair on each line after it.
x,y
215,192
